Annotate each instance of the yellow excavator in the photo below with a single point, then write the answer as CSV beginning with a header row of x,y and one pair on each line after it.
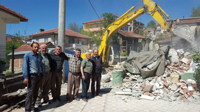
x,y
149,7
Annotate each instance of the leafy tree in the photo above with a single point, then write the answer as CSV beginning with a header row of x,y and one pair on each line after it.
x,y
196,12
141,32
151,24
108,18
17,42
95,39
74,27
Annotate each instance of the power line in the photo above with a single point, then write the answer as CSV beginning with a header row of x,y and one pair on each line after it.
x,y
94,9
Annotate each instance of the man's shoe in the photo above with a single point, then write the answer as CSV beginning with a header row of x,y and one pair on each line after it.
x,y
67,100
93,96
77,99
39,104
59,99
46,102
100,95
85,99
54,99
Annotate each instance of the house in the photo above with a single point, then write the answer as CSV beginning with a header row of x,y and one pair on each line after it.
x,y
71,37
133,26
21,51
192,22
129,41
94,26
7,16
149,31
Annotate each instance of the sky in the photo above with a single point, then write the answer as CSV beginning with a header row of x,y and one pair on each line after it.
x,y
43,14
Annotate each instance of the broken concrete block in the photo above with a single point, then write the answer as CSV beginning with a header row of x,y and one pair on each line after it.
x,y
187,55
184,60
173,98
105,78
190,88
185,90
123,93
174,78
190,93
148,88
126,90
147,97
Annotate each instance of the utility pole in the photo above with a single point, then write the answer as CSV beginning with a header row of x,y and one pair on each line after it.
x,y
61,29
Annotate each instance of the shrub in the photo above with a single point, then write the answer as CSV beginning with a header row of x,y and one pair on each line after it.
x,y
8,73
124,53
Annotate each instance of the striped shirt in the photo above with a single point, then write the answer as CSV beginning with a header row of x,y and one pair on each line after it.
x,y
74,63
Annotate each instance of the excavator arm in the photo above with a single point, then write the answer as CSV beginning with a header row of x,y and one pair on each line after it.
x,y
149,7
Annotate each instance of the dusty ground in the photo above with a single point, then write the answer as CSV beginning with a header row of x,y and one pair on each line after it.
x,y
113,103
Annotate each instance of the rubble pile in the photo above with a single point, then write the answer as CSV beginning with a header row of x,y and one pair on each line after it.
x,y
178,62
168,87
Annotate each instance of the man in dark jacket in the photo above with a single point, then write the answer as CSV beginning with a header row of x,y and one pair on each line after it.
x,y
56,68
97,68
44,87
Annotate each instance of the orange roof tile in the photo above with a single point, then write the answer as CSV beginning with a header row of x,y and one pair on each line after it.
x,y
27,47
55,31
93,21
130,34
13,13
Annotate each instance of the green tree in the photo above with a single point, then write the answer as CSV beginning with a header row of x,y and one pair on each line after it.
x,y
17,42
74,27
109,18
196,12
151,24
95,39
141,32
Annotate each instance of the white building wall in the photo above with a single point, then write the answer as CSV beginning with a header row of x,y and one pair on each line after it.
x,y
3,39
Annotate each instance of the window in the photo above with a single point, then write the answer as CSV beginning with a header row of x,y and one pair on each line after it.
x,y
100,25
37,40
92,26
97,25
45,39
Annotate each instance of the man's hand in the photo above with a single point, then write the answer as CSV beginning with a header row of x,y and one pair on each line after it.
x,y
25,81
83,77
91,76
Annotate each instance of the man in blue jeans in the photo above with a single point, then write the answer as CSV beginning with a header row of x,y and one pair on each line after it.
x,y
86,71
33,74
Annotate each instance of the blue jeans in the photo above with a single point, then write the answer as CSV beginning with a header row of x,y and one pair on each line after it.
x,y
85,85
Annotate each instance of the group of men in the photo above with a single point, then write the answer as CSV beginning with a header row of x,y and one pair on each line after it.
x,y
43,72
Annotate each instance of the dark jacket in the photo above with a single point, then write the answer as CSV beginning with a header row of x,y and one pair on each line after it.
x,y
97,65
49,58
57,61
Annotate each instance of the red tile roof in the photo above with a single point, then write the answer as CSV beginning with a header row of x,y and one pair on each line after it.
x,y
13,13
189,20
27,47
130,34
168,40
28,38
55,31
93,21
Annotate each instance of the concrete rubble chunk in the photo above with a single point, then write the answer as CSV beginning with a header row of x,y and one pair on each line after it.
x,y
147,97
184,60
148,88
174,78
105,78
123,93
